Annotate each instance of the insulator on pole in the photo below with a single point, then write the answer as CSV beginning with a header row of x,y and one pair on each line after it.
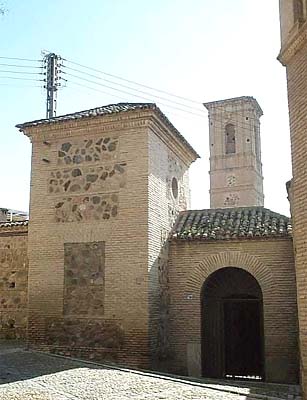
x,y
52,78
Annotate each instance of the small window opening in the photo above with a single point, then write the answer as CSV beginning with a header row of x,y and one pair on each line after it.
x,y
11,323
257,141
12,285
175,188
230,139
247,140
246,118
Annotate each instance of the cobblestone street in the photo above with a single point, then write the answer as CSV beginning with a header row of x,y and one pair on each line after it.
x,y
26,375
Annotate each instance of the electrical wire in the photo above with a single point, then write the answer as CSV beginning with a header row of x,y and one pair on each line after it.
x,y
22,72
19,59
117,97
140,93
18,86
96,90
130,81
20,66
131,88
22,79
135,95
245,126
242,126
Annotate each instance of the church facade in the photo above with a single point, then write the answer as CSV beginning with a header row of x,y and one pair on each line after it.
x,y
114,266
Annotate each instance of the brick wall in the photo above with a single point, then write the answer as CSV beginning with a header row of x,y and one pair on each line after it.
x,y
163,207
271,263
13,282
293,56
297,91
86,196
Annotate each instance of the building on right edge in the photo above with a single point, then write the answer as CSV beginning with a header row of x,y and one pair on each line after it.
x,y
293,55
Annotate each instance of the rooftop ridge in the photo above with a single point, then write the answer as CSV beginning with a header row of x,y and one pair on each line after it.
x,y
236,208
107,110
90,112
231,223
13,224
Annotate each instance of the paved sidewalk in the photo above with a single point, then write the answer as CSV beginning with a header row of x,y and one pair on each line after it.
x,y
26,375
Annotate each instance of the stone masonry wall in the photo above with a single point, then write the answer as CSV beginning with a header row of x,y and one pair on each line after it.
x,y
84,279
271,263
13,282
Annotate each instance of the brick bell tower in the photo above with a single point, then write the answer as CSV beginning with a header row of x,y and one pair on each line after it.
x,y
235,153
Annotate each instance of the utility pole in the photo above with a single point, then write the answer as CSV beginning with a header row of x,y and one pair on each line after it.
x,y
52,64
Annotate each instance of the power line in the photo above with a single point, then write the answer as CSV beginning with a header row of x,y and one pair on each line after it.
x,y
242,124
165,105
20,66
131,88
96,90
22,72
133,82
20,59
135,95
22,79
11,85
117,97
145,95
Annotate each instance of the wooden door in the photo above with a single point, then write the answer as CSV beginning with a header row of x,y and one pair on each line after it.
x,y
242,338
212,336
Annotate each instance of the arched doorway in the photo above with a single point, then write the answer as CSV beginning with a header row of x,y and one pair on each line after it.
x,y
232,325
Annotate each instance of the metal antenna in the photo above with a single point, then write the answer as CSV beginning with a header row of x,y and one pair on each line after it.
x,y
52,65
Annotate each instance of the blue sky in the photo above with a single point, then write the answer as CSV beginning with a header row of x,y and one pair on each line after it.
x,y
202,49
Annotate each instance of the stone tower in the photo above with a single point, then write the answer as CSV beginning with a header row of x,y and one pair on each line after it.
x,y
235,153
293,23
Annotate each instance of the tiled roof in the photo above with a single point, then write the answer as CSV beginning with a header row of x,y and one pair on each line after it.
x,y
110,109
13,224
231,223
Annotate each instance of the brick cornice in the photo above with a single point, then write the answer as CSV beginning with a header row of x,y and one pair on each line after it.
x,y
80,127
13,231
293,45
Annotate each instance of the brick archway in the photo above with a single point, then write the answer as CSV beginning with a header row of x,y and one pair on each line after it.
x,y
213,263
236,259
